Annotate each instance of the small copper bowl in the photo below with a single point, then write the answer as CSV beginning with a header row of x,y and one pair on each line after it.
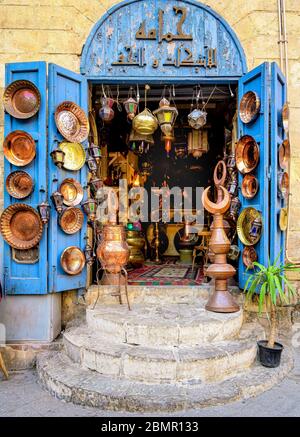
x,y
22,99
19,148
283,184
250,186
71,220
284,154
72,122
72,260
247,154
72,192
249,256
285,117
249,107
19,184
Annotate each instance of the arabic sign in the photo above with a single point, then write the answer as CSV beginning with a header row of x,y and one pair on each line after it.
x,y
162,38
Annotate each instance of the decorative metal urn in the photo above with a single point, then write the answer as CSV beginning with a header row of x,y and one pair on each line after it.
x,y
113,251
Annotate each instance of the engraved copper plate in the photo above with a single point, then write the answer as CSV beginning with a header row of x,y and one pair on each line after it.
x,y
284,154
21,226
72,260
74,155
71,220
247,154
72,122
283,184
249,256
249,107
72,192
22,99
244,225
250,186
19,184
19,148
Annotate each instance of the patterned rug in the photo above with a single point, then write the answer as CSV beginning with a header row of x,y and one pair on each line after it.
x,y
166,275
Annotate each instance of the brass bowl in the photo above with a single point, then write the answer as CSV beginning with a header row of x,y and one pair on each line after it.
x,y
19,184
72,192
71,220
283,184
19,148
72,122
249,256
22,99
249,107
21,226
284,155
285,117
72,260
247,154
250,186
145,123
74,155
244,224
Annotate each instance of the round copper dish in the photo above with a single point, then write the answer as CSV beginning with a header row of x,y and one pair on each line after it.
x,y
72,192
283,184
19,184
72,122
22,99
71,220
72,260
74,155
285,117
247,154
250,186
249,256
21,226
244,225
249,107
19,148
284,154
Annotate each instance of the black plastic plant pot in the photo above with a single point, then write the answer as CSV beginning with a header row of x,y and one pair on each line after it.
x,y
269,357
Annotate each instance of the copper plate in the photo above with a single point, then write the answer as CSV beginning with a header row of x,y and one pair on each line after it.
x,y
72,122
71,220
19,148
249,107
283,184
284,154
247,154
72,260
74,155
249,256
22,99
21,226
285,117
244,223
19,184
72,192
250,186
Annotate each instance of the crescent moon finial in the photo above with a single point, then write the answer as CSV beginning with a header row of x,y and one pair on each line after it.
x,y
216,208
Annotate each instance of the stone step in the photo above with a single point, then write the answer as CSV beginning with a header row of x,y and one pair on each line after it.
x,y
70,382
210,362
187,324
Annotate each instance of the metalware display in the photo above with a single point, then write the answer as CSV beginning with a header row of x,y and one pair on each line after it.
x,y
58,157
72,260
249,107
92,165
22,99
113,251
233,253
145,123
72,192
44,210
283,184
19,148
284,155
74,155
106,113
19,184
90,208
250,186
285,117
247,154
72,122
249,256
235,206
283,219
21,226
95,152
136,244
131,106
71,220
249,226
58,200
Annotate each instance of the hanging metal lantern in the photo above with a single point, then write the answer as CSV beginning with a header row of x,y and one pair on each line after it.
x,y
145,123
95,152
197,118
95,184
89,254
106,112
232,185
139,143
166,116
234,207
92,165
234,253
197,142
44,210
146,170
58,157
58,201
231,162
90,207
130,106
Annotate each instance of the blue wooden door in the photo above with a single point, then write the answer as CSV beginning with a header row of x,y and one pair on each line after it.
x,y
63,85
19,276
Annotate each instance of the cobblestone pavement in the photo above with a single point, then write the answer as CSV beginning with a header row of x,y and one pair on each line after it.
x,y
22,396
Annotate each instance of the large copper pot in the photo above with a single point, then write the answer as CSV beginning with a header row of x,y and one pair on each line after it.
x,y
113,251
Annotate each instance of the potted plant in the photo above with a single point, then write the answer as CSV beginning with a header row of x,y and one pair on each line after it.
x,y
274,289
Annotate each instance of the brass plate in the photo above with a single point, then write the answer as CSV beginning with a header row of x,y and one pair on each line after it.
x,y
19,184
19,148
285,117
284,154
247,154
74,155
283,184
244,223
71,220
21,226
249,256
22,99
72,122
250,186
72,192
283,219
249,107
72,260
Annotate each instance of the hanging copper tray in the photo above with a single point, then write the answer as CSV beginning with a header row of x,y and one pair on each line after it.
x,y
244,224
71,220
21,226
19,184
22,99
250,186
249,256
74,155
284,154
72,122
249,107
72,192
285,117
72,260
247,154
19,148
283,184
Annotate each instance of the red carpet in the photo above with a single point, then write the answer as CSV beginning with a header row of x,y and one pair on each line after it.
x,y
166,274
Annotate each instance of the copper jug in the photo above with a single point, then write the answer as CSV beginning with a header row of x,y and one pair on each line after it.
x,y
113,251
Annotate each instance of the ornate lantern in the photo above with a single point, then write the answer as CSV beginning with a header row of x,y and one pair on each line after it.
x,y
197,142
256,228
234,253
130,106
197,118
145,123
234,207
146,170
58,200
44,210
95,184
92,165
106,113
89,254
90,207
58,157
166,116
95,152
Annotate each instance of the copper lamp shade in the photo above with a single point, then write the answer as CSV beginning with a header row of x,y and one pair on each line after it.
x,y
19,148
22,99
71,220
247,154
72,122
249,107
72,260
284,155
19,184
249,256
250,186
72,192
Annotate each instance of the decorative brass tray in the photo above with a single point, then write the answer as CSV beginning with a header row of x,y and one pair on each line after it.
x,y
249,256
72,192
19,184
71,220
22,99
284,154
249,107
247,154
19,148
72,260
250,186
244,225
74,155
72,122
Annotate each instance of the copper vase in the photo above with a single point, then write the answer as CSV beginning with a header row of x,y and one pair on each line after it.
x,y
113,251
